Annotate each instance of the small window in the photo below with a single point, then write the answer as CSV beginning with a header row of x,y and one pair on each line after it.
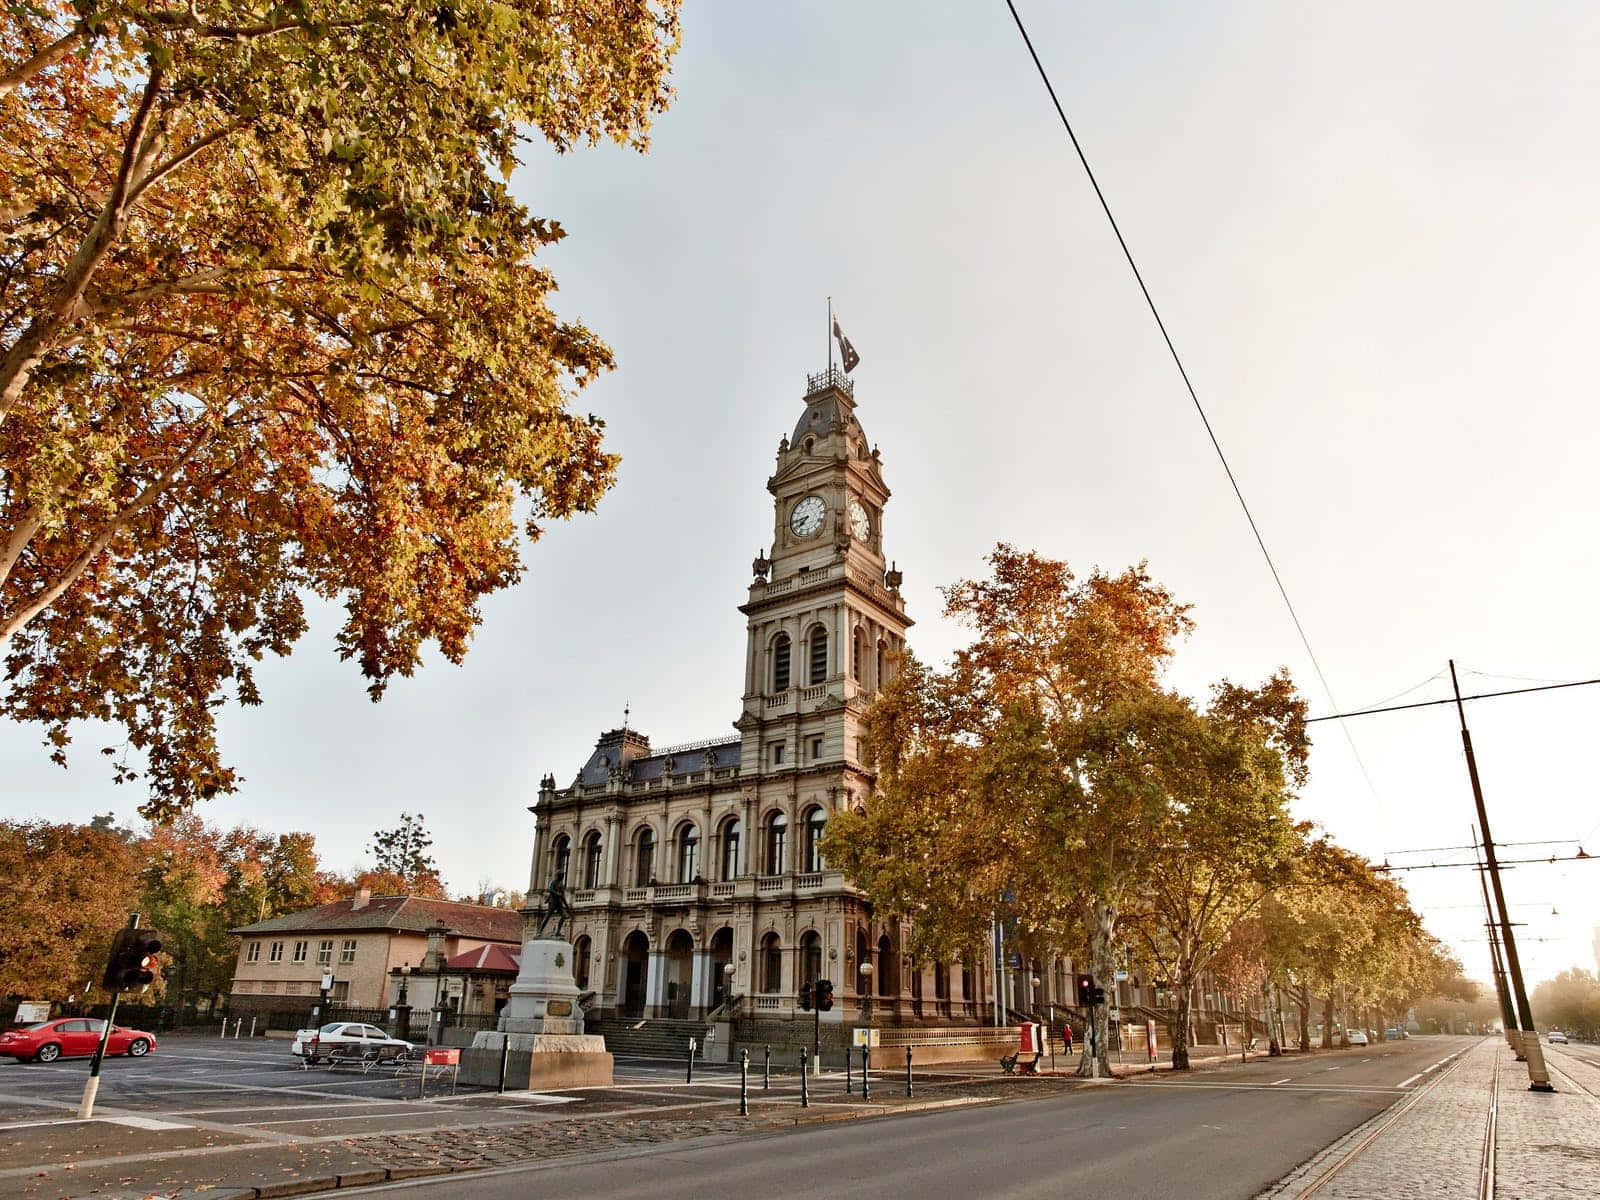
x,y
777,843
688,854
816,823
780,663
276,954
730,848
252,952
771,964
325,952
347,951
816,748
591,861
777,754
301,949
644,867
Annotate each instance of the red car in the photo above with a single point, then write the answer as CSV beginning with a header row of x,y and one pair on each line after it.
x,y
68,1036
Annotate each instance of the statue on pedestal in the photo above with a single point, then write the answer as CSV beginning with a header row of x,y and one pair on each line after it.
x,y
556,907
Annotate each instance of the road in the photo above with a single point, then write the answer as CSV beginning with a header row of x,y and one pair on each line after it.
x,y
1223,1134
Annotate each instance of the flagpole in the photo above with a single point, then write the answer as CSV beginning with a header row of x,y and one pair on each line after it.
x,y
830,335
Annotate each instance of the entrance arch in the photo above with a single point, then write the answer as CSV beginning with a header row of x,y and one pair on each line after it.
x,y
635,969
680,972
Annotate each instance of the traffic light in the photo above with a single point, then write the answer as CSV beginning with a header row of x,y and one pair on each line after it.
x,y
805,996
824,995
1086,989
132,963
1097,995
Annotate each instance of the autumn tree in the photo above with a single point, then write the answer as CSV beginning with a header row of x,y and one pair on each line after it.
x,y
1014,785
272,327
64,892
1224,839
1570,1001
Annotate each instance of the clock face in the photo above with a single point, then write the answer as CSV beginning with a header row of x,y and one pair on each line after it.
x,y
860,523
806,517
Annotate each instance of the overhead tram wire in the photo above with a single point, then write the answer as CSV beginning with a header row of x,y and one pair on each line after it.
x,y
1367,712
1199,408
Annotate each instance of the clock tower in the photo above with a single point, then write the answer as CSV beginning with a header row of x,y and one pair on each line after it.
x,y
824,613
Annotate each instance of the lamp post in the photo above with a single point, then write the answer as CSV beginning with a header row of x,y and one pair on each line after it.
x,y
727,982
402,1010
866,993
405,974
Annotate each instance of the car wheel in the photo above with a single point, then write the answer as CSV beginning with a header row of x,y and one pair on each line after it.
x,y
138,1048
48,1052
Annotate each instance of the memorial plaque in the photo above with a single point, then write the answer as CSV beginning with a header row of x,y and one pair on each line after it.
x,y
558,1008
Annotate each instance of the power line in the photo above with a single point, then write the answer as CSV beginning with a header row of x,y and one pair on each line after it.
x,y
1442,849
1504,862
1193,395
1367,712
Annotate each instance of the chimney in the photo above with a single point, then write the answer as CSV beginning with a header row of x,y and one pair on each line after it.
x,y
433,960
361,900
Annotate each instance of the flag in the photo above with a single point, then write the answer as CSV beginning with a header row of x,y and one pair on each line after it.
x,y
846,351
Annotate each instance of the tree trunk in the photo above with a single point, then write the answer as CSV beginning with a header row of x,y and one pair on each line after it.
x,y
1180,1029
1303,1003
1327,1020
1274,1044
1096,1061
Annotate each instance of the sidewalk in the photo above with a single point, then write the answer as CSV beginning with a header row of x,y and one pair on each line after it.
x,y
1545,1144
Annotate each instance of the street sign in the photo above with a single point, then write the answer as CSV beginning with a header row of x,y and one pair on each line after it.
x,y
1122,976
859,1037
327,982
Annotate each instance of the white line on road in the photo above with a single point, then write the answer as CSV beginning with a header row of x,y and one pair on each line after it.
x,y
1276,1082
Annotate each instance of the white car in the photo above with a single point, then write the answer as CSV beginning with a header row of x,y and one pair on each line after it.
x,y
1556,1038
351,1037
1355,1037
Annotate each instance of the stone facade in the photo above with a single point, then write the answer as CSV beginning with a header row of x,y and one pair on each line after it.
x,y
682,860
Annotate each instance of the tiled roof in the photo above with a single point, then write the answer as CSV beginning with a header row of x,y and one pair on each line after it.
x,y
487,958
409,914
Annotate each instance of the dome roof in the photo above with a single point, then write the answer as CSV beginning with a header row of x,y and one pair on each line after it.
x,y
822,410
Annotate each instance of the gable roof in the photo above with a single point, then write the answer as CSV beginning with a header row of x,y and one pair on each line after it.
x,y
487,958
402,914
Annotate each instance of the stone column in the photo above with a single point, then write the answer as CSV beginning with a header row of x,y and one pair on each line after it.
x,y
699,980
654,982
613,851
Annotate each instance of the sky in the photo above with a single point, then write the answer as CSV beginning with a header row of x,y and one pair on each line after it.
x,y
1369,228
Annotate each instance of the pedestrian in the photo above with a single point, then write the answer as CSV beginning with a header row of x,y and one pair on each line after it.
x,y
1067,1034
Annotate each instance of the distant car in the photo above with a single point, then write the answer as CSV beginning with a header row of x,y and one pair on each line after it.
x,y
314,1044
1355,1037
72,1037
1556,1038
1396,1034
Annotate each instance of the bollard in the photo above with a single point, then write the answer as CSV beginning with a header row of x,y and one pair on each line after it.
x,y
252,1027
805,1097
744,1083
689,1075
908,1072
849,1083
505,1058
766,1067
866,1070
238,1024
224,1033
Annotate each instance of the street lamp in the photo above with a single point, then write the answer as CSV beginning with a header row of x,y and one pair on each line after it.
x,y
866,993
727,982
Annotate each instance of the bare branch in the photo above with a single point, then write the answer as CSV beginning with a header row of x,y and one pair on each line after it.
x,y
42,61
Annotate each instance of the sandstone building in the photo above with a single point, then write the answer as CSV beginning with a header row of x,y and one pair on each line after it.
x,y
682,860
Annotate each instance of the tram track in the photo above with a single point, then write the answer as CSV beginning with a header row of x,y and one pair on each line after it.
x,y
1486,1170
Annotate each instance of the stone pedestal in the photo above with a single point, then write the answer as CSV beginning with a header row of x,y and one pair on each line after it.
x,y
541,1038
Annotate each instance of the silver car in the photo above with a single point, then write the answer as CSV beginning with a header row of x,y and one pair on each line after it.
x,y
350,1038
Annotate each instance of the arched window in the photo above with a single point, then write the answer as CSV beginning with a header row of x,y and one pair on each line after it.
x,y
810,957
780,663
777,842
688,854
580,961
562,857
731,829
591,860
644,861
816,822
941,981
771,964
818,646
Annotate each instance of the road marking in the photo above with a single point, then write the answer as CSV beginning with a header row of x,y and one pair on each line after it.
x,y
1333,1068
1276,1082
145,1123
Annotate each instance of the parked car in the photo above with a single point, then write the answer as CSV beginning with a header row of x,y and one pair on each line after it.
x,y
1556,1038
1355,1037
72,1037
314,1044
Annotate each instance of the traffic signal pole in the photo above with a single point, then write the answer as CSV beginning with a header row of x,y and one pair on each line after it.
x,y
1508,1018
91,1085
1538,1074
